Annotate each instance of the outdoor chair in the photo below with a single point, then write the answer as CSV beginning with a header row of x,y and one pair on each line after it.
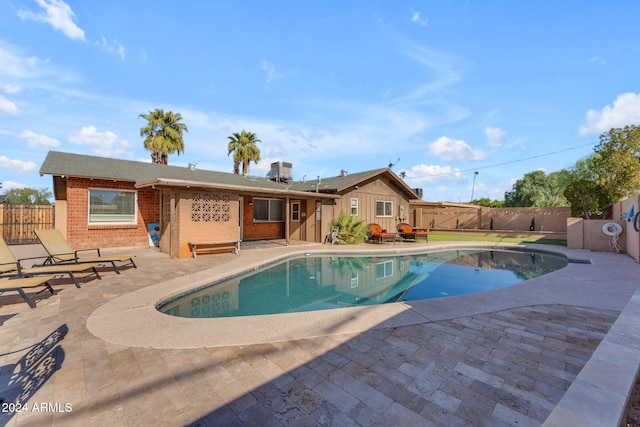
x,y
407,232
61,253
20,284
377,234
333,237
10,266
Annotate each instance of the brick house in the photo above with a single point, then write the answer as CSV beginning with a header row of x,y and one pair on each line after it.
x,y
105,202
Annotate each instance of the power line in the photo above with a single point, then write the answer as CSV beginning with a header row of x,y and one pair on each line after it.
x,y
505,163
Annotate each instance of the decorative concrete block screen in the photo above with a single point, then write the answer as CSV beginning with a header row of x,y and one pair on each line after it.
x,y
210,207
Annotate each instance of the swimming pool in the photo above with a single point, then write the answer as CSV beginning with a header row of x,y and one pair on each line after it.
x,y
324,282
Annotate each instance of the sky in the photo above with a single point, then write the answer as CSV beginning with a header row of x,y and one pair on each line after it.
x,y
437,89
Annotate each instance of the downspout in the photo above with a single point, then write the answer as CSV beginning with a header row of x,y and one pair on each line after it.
x,y
287,223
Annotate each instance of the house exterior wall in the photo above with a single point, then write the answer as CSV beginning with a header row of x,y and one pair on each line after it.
x,y
368,194
81,235
252,230
206,216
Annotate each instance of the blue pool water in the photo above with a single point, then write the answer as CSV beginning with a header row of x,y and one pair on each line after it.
x,y
324,282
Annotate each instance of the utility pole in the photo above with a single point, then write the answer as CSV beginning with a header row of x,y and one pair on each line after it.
x,y
473,187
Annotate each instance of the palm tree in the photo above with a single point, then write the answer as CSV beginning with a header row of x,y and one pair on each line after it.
x,y
244,149
163,134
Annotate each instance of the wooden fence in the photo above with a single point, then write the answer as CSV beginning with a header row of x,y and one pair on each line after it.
x,y
17,222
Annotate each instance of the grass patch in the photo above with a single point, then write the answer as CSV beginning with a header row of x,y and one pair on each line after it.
x,y
434,237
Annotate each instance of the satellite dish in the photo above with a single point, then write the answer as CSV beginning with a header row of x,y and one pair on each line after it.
x,y
392,164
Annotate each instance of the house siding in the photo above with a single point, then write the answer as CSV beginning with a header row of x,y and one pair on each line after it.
x,y
370,192
81,235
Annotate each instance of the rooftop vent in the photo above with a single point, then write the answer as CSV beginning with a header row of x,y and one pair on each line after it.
x,y
281,171
344,172
192,165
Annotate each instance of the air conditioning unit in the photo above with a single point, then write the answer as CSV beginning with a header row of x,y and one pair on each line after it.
x,y
281,171
418,191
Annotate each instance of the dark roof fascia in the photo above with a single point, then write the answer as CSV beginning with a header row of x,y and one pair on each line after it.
x,y
174,183
365,176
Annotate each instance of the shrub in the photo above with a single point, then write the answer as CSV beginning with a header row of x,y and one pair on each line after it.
x,y
351,230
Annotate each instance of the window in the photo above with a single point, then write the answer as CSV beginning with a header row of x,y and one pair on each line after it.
x,y
112,206
384,269
268,210
354,207
384,208
295,211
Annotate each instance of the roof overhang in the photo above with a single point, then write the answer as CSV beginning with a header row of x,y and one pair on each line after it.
x,y
179,183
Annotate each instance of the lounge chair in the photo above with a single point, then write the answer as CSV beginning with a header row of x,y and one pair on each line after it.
x,y
10,266
61,253
407,232
23,283
377,234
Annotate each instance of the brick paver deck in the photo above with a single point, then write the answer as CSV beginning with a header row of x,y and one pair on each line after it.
x,y
504,368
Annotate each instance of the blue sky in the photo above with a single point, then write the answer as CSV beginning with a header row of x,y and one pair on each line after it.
x,y
441,88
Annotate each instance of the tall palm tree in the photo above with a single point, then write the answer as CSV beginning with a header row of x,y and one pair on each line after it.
x,y
244,149
163,134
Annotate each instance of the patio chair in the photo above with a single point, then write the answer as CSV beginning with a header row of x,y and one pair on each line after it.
x,y
61,253
377,234
22,283
332,237
407,232
10,266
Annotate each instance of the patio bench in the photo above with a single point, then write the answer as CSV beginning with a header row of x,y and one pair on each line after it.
x,y
215,245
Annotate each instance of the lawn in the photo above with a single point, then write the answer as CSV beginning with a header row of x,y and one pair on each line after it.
x,y
434,237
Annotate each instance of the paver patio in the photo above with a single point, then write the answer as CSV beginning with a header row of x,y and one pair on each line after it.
x,y
507,365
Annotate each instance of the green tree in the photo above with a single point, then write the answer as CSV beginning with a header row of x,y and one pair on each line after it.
x,y
587,199
163,134
486,202
351,230
28,196
616,163
244,149
536,189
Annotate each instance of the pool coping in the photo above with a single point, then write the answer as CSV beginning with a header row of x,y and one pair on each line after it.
x,y
133,319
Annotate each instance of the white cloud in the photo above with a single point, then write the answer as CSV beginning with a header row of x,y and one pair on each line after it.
x,y
421,174
58,14
455,150
17,165
11,88
495,136
101,143
270,70
10,185
625,111
115,48
36,141
8,107
416,17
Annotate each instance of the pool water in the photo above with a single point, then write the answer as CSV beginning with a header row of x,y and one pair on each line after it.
x,y
325,282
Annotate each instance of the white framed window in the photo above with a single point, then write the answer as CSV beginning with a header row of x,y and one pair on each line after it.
x,y
295,211
113,206
384,208
354,207
268,210
354,279
384,269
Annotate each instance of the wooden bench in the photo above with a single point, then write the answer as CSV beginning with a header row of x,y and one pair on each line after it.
x,y
215,245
